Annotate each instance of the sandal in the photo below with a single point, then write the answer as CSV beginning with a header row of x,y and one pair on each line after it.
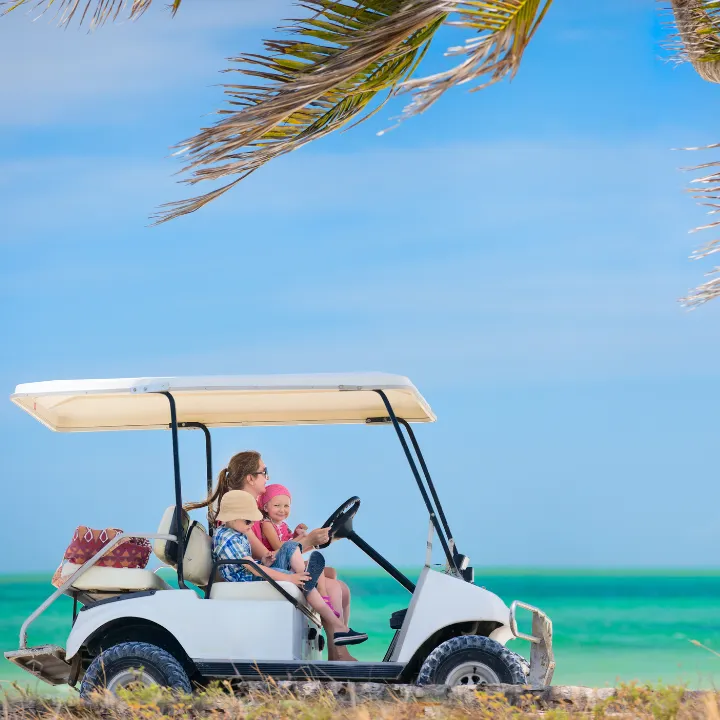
x,y
314,568
328,602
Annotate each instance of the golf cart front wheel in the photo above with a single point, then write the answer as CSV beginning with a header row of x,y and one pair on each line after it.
x,y
471,660
132,664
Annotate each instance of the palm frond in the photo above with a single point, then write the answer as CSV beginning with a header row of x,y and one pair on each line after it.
x,y
504,31
697,23
349,52
97,11
707,193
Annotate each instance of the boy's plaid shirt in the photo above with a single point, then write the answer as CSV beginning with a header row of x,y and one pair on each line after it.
x,y
231,545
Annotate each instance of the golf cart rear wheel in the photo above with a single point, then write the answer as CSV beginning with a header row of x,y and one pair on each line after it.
x,y
471,660
134,664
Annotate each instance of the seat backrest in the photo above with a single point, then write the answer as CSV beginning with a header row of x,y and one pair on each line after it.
x,y
197,558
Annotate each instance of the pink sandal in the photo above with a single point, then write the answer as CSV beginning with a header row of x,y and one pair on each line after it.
x,y
328,602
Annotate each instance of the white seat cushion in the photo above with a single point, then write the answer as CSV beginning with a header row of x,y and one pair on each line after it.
x,y
258,590
109,579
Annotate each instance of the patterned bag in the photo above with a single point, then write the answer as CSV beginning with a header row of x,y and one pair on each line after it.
x,y
86,542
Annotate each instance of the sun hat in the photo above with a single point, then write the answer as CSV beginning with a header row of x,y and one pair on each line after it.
x,y
238,505
272,491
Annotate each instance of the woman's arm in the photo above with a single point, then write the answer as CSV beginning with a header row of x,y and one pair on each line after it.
x,y
270,534
314,538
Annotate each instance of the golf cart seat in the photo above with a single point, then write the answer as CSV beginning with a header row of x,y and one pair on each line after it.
x,y
103,581
198,564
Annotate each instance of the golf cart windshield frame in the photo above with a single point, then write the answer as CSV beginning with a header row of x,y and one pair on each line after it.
x,y
431,499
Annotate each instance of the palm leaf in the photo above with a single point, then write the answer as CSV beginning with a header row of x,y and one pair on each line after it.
x,y
697,23
504,31
349,52
98,11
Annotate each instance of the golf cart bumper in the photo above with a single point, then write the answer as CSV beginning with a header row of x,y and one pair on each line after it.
x,y
542,660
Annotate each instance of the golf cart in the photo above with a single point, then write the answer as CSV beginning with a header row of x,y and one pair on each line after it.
x,y
130,626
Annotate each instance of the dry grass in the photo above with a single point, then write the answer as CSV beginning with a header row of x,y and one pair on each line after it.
x,y
275,702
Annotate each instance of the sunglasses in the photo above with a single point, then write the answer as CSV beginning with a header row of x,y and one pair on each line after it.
x,y
262,472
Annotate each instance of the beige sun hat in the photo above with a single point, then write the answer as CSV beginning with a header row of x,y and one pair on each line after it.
x,y
238,505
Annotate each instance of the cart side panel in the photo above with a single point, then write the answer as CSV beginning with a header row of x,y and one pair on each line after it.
x,y
442,600
207,629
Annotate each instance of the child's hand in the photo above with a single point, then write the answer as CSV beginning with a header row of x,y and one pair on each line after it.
x,y
299,579
300,530
269,559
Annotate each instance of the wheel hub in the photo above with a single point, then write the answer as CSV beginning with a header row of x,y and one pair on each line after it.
x,y
472,673
130,677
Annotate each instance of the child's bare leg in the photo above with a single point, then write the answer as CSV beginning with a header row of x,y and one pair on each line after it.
x,y
297,564
332,624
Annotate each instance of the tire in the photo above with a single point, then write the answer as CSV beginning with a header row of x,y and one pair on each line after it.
x,y
471,660
134,662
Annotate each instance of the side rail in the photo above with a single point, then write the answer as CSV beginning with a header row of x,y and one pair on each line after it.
x,y
79,572
256,566
542,660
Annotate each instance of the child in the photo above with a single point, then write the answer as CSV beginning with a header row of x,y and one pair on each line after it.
x,y
238,511
273,531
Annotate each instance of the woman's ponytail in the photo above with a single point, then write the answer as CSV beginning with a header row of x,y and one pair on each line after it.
x,y
231,477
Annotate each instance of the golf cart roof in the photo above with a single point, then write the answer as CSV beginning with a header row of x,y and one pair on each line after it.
x,y
220,401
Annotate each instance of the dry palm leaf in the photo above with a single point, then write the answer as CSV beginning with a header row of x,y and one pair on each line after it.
x,y
349,52
504,31
698,35
355,50
99,11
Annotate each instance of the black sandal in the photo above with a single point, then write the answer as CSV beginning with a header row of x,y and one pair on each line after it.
x,y
315,567
349,638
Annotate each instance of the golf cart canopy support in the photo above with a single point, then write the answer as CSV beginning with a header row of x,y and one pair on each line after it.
x,y
232,401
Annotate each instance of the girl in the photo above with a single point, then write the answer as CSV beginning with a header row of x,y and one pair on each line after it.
x,y
273,531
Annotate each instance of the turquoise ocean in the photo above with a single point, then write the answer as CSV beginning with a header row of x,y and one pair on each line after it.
x,y
609,626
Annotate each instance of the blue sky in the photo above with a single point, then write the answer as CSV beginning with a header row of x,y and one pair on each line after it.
x,y
517,253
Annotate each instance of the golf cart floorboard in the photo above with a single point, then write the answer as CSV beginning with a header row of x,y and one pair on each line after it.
x,y
46,662
319,670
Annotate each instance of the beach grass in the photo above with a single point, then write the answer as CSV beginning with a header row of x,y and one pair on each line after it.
x,y
273,702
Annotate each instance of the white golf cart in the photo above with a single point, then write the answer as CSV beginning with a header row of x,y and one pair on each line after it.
x,y
129,625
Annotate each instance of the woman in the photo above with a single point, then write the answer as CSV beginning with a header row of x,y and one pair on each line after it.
x,y
247,471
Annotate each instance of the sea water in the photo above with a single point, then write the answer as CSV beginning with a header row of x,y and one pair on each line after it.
x,y
609,627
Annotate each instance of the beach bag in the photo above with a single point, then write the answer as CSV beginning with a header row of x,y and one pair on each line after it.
x,y
87,542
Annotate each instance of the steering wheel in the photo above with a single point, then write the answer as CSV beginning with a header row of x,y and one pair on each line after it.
x,y
340,522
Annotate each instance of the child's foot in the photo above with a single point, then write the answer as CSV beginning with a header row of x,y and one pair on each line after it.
x,y
349,638
315,566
